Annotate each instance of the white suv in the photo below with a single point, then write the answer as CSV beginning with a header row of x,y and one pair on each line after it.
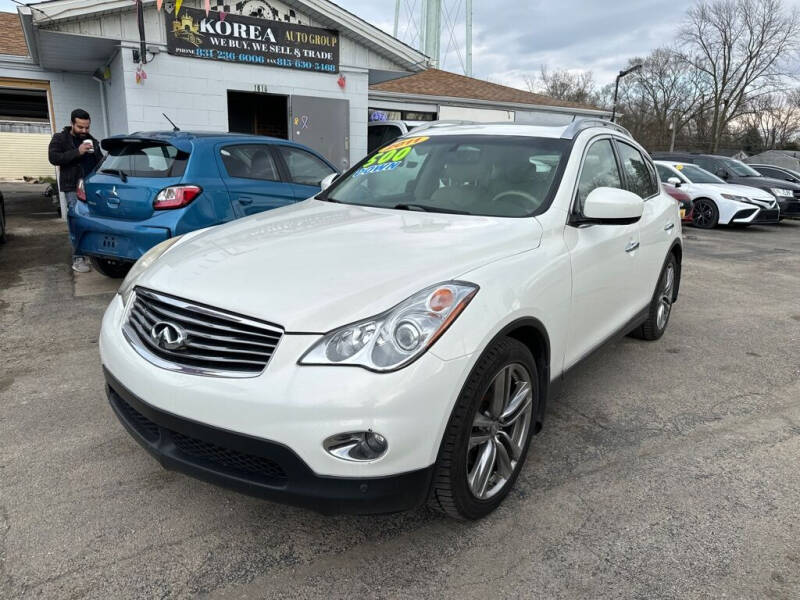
x,y
394,339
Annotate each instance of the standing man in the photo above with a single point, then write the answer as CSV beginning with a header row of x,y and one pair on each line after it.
x,y
75,152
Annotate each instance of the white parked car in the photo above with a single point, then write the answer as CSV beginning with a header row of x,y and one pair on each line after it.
x,y
717,201
394,340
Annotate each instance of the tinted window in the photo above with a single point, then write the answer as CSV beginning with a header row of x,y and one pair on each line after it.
x,y
251,161
639,177
709,164
503,176
303,166
664,173
146,160
599,170
768,172
697,175
737,167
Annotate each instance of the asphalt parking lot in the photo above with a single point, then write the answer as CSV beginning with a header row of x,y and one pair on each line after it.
x,y
665,470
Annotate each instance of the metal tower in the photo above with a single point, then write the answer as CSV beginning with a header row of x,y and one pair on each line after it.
x,y
430,24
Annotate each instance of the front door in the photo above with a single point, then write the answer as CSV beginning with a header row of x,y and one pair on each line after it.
x,y
603,261
251,174
660,221
322,124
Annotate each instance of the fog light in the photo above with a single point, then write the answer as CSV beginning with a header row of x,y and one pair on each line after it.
x,y
356,445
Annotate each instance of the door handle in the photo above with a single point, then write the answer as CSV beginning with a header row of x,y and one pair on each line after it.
x,y
669,226
632,245
245,201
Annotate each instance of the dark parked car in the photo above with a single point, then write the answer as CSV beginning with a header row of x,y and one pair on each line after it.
x,y
781,173
786,192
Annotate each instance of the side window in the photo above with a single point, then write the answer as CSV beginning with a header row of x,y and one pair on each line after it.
x,y
639,178
304,168
599,170
250,161
664,173
708,164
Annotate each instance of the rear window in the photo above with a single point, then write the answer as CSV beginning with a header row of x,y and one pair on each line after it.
x,y
146,159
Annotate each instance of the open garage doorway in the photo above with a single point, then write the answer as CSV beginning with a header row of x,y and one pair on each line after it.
x,y
259,114
25,129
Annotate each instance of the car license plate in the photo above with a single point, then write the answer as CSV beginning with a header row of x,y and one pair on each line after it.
x,y
683,212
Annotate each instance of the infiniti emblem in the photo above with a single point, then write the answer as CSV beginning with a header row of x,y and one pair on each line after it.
x,y
168,335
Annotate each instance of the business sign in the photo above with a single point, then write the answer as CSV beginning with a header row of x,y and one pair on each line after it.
x,y
252,41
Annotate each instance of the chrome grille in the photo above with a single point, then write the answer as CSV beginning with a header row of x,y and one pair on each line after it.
x,y
212,342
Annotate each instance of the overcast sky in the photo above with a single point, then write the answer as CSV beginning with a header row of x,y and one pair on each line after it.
x,y
512,38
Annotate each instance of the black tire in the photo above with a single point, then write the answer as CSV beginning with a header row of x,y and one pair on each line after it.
x,y
705,214
656,323
450,490
116,269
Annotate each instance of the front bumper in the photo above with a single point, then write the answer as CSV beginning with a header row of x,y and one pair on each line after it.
x,y
756,215
258,467
790,207
298,407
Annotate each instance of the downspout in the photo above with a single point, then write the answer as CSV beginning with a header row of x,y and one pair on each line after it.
x,y
103,106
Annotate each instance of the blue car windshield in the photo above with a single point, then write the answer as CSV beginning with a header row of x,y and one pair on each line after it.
x,y
145,159
500,176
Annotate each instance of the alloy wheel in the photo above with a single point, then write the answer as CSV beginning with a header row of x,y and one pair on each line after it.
x,y
703,214
499,431
665,297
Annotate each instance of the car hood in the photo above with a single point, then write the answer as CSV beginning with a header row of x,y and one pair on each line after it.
x,y
315,265
767,182
741,190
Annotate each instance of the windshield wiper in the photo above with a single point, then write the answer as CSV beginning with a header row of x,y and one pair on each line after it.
x,y
422,207
118,172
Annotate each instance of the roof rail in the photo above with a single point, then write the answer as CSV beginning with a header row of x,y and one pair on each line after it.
x,y
579,125
443,123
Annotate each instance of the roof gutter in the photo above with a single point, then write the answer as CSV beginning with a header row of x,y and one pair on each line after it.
x,y
474,102
26,18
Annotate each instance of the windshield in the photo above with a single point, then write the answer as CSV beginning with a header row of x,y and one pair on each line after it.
x,y
145,159
500,176
697,175
737,167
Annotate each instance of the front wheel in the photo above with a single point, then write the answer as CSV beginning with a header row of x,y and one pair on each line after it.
x,y
661,304
705,214
487,437
116,269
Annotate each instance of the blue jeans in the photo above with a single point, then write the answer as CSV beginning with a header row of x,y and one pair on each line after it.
x,y
72,200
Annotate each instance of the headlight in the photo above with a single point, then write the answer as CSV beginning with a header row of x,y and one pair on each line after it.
x,y
737,198
395,338
781,193
147,259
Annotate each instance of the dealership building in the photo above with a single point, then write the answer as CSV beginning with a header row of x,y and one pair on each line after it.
x,y
305,70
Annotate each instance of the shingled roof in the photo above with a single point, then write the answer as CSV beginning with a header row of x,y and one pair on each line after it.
x,y
434,82
12,40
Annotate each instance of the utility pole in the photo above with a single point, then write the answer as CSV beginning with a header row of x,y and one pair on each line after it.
x,y
674,126
469,38
616,87
396,17
433,29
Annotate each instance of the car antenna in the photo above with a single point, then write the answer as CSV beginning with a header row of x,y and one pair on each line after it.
x,y
174,127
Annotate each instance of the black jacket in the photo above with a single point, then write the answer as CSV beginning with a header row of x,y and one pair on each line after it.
x,y
63,152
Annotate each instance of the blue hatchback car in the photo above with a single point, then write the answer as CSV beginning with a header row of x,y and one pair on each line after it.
x,y
152,186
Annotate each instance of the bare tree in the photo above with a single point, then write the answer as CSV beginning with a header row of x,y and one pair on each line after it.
x,y
573,86
776,118
739,47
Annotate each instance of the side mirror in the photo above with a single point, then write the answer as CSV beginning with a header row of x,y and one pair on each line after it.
x,y
722,173
611,206
674,181
326,183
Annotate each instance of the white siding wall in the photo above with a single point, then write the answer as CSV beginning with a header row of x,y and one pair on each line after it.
x,y
115,98
193,92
